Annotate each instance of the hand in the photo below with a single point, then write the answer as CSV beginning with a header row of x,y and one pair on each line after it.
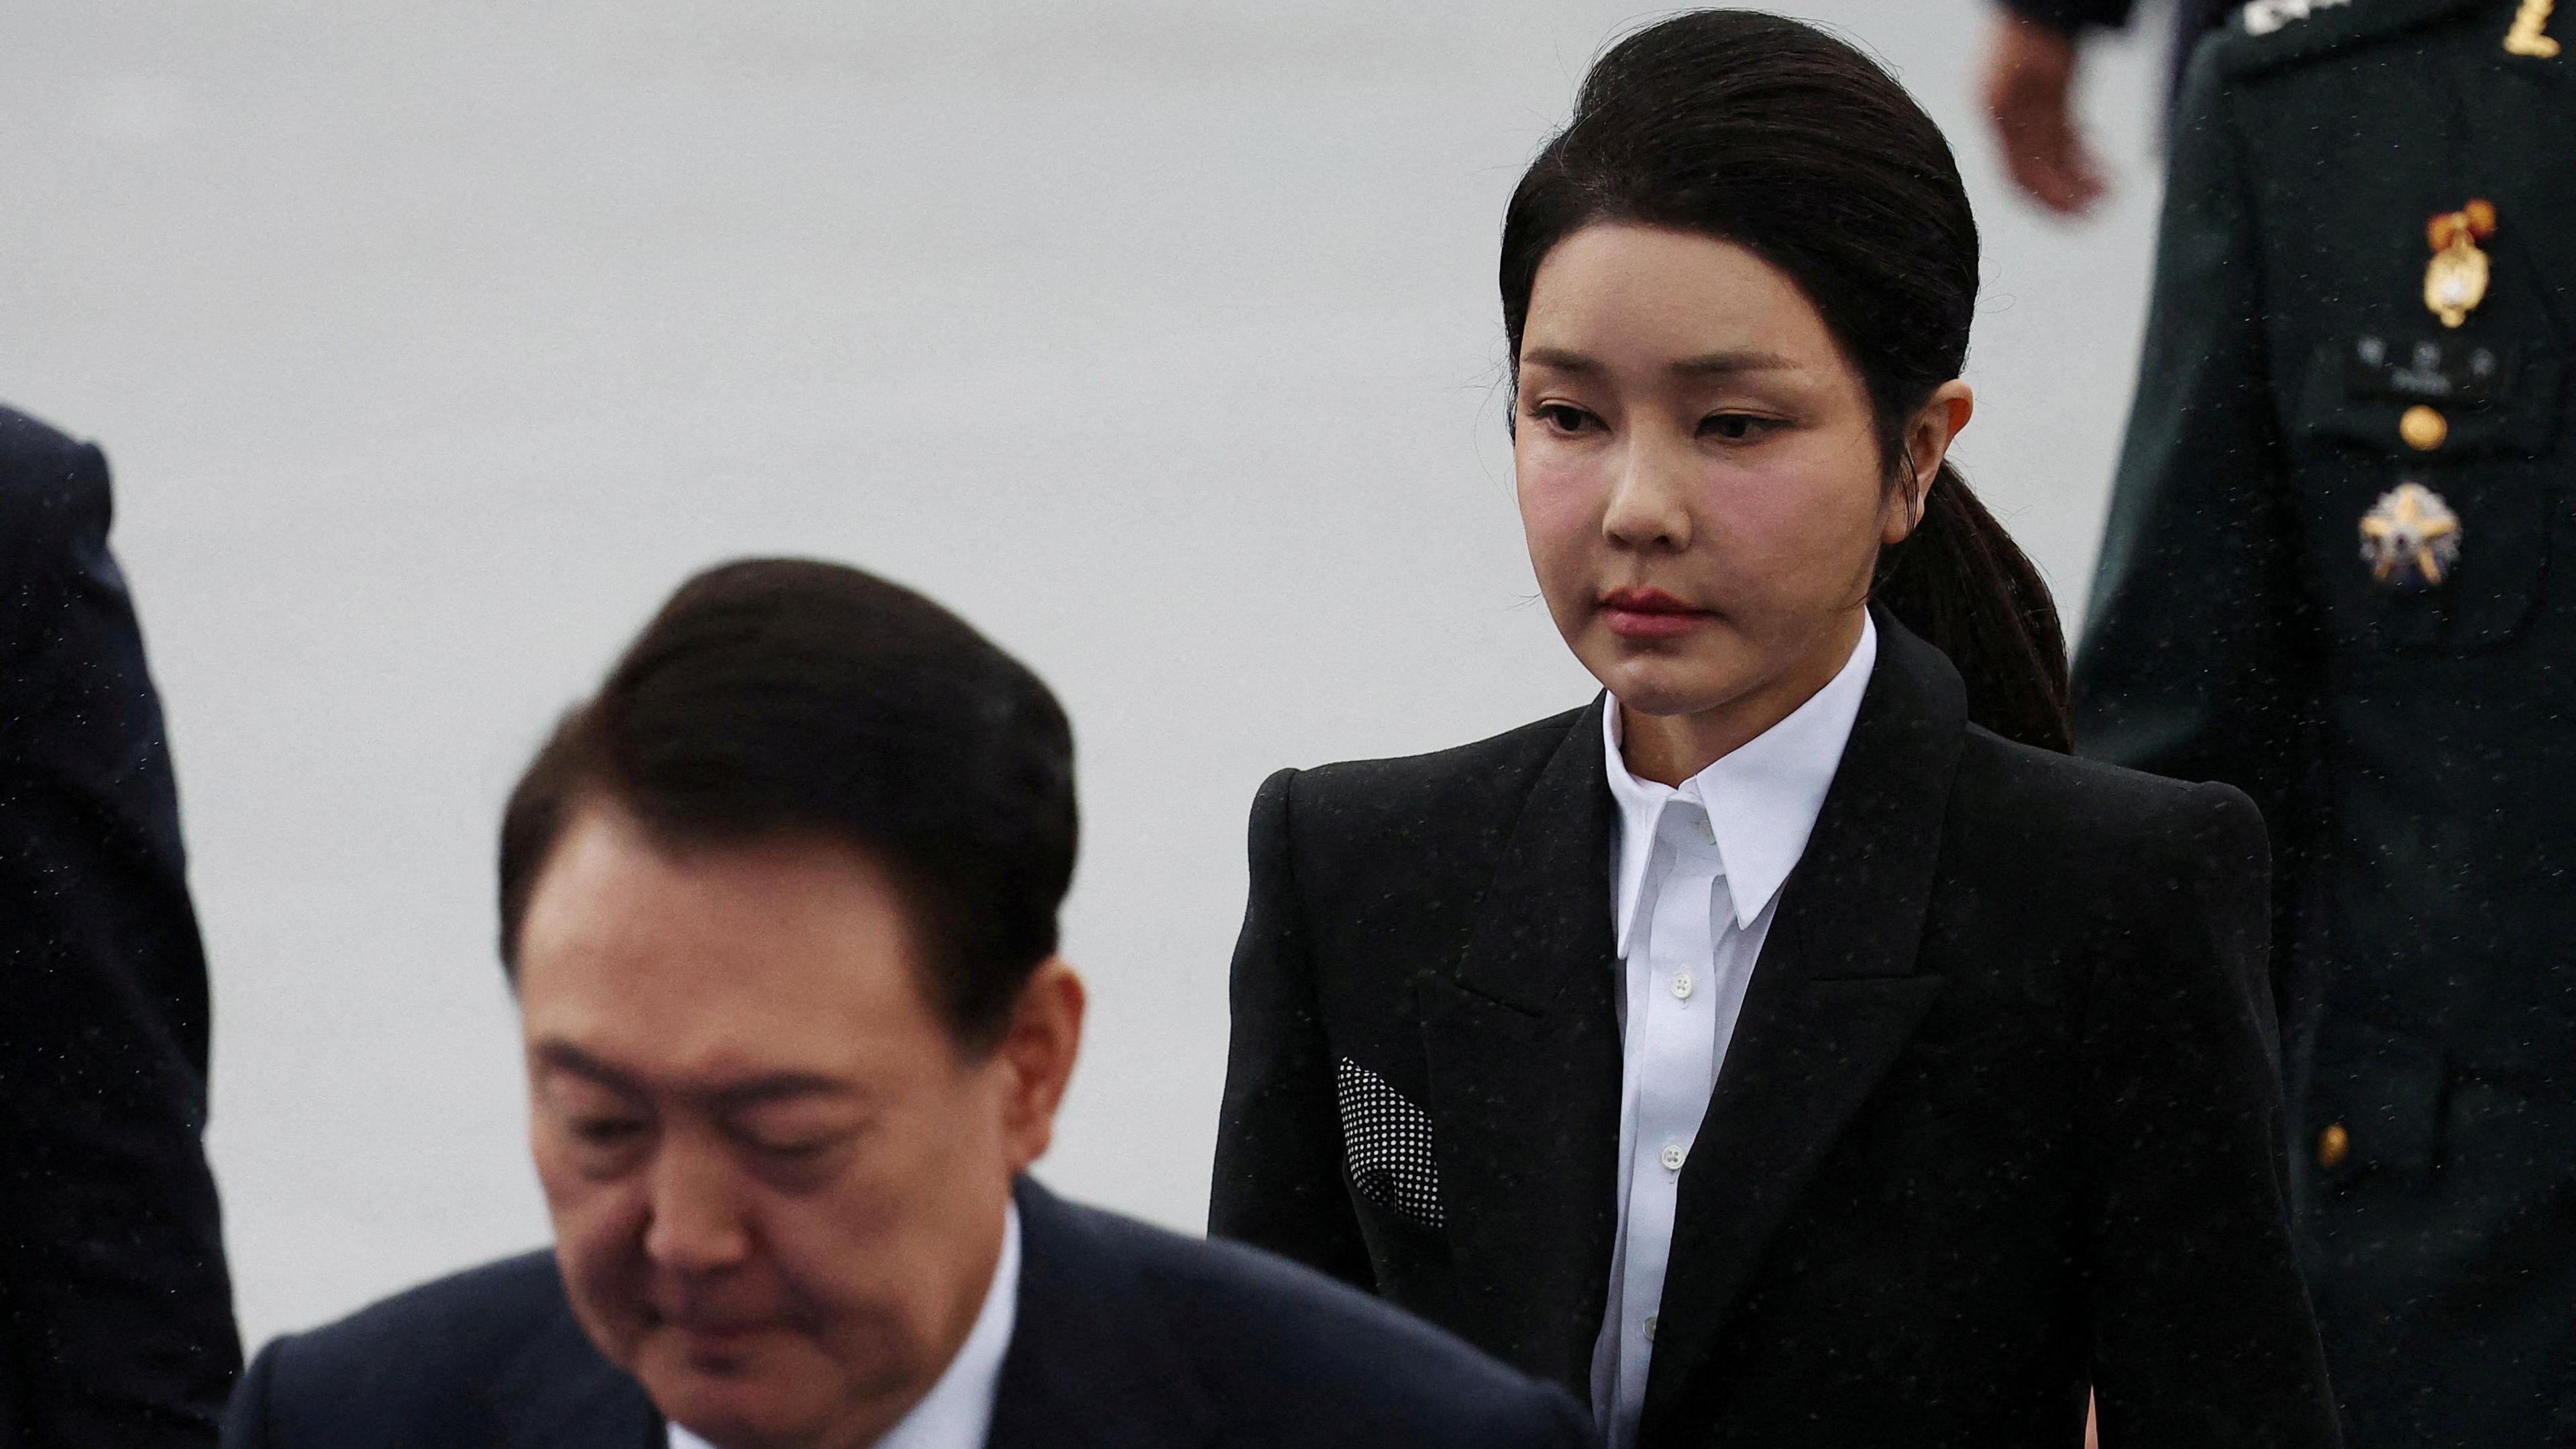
x,y
2030,92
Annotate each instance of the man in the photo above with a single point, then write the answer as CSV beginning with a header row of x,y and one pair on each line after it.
x,y
116,1320
779,905
2340,573
2031,60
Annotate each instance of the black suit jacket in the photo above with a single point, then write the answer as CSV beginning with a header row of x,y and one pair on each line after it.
x,y
116,1322
1999,1118
1128,1338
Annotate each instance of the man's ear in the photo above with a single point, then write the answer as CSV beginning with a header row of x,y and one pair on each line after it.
x,y
1037,1053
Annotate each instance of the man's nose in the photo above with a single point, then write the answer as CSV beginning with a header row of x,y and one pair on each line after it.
x,y
1649,503
698,1224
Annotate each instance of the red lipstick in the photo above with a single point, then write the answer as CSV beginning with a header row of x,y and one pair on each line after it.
x,y
1649,614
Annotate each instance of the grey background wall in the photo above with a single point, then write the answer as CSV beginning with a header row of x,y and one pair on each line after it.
x,y
432,344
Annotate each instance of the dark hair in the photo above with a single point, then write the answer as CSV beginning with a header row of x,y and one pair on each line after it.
x,y
1768,133
784,696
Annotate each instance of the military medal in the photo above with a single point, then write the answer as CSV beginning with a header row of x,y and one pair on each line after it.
x,y
2529,35
2455,281
2411,539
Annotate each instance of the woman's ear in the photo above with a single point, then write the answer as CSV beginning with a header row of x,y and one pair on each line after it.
x,y
1935,427
1928,436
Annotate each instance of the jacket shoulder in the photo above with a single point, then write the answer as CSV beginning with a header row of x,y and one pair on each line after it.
x,y
433,1344
53,493
2092,823
2271,35
1466,766
1445,789
1276,1342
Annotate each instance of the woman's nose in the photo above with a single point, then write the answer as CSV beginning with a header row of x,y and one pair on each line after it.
x,y
1649,503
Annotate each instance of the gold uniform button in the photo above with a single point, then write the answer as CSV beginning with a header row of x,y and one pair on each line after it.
x,y
2423,429
2333,1145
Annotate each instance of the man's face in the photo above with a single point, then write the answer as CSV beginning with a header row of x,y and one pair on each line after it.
x,y
777,1182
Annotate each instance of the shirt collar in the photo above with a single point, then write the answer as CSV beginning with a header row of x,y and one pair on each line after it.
x,y
957,1413
1762,799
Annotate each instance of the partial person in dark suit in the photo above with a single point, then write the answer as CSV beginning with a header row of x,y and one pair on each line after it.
x,y
779,906
1793,1045
116,1316
2032,56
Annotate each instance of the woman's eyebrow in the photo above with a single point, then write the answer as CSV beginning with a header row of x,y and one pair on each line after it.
x,y
1557,359
1724,364
1709,364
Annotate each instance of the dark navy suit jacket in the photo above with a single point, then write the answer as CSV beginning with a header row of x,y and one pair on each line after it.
x,y
1128,1336
116,1323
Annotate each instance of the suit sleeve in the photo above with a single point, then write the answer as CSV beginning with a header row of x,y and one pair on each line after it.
x,y
1278,1181
2201,639
115,1307
249,1422
2202,1331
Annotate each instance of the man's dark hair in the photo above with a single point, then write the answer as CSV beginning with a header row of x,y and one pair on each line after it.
x,y
776,697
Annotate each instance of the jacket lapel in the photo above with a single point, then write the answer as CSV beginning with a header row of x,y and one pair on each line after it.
x,y
1091,1363
1523,1049
561,1394
1831,1005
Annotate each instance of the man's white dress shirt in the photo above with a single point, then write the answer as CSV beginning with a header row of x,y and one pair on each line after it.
x,y
1695,872
957,1413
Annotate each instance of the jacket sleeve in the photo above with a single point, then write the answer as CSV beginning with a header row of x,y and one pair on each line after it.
x,y
115,1307
2073,14
2202,1330
1279,1180
2202,641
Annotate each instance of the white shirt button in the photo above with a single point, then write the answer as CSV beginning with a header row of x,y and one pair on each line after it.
x,y
1673,1156
1650,1328
1682,985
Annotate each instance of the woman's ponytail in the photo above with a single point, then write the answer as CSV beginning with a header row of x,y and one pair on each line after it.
x,y
1962,583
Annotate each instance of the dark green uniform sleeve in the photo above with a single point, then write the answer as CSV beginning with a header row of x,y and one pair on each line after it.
x,y
2200,640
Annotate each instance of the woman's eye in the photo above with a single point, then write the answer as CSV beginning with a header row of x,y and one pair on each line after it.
x,y
1735,427
1564,417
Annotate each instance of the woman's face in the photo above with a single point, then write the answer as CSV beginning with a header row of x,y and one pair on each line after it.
x,y
1699,476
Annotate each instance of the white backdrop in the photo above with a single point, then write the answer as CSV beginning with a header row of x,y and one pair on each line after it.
x,y
432,344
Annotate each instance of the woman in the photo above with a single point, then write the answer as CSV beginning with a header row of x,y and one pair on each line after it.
x,y
1794,1046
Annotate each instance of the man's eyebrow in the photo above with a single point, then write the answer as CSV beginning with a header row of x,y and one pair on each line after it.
x,y
724,1096
562,1056
774,1087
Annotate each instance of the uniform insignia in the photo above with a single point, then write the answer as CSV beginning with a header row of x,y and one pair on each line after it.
x,y
2410,539
2455,281
2530,32
2262,17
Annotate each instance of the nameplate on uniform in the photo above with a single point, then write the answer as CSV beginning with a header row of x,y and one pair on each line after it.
x,y
2427,372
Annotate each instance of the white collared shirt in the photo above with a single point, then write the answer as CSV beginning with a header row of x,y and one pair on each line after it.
x,y
1696,872
957,1413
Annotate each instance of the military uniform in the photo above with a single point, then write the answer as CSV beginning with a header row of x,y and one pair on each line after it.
x,y
2340,573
